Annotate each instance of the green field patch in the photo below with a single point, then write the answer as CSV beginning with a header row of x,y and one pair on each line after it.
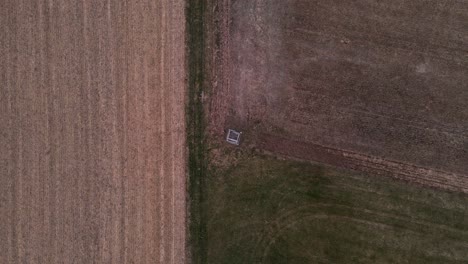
x,y
264,210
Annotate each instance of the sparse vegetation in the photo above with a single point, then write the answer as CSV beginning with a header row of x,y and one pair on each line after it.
x,y
264,210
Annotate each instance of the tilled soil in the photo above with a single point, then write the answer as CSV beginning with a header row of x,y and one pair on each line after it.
x,y
92,131
385,80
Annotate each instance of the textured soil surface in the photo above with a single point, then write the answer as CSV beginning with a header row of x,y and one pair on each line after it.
x,y
374,85
92,131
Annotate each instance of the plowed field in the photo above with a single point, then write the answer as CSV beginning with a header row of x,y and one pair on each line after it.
x,y
380,84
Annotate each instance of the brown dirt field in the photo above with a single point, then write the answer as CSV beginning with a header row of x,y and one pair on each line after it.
x,y
362,162
381,81
92,131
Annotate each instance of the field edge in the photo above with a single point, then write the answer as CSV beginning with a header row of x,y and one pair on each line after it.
x,y
196,227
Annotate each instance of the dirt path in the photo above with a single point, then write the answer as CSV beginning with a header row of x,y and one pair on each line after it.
x,y
92,131
361,162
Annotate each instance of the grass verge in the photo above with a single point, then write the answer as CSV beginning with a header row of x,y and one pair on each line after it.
x,y
196,130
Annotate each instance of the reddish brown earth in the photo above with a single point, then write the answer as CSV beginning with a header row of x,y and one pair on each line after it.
x,y
379,86
92,131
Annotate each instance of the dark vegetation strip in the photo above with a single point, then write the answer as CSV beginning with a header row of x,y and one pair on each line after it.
x,y
195,130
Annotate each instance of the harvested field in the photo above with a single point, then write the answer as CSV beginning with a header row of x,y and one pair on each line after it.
x,y
380,83
92,131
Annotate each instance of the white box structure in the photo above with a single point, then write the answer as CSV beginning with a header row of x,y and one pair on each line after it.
x,y
233,137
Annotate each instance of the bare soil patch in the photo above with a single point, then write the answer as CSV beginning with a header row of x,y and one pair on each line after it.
x,y
385,81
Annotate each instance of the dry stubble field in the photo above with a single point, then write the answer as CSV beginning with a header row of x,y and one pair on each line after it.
x,y
92,130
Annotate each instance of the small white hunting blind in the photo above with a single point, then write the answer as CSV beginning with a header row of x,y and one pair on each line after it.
x,y
233,137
